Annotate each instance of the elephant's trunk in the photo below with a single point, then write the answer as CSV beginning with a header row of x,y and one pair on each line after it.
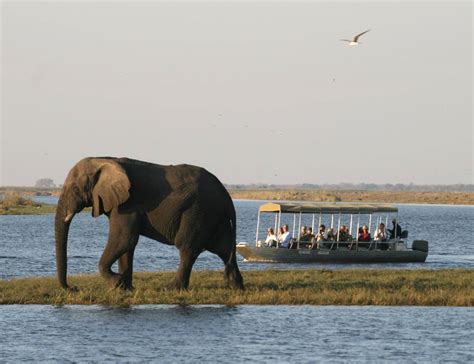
x,y
62,222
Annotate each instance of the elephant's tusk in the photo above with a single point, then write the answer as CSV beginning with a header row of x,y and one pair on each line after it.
x,y
69,217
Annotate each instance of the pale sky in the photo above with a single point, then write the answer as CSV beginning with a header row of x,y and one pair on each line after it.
x,y
254,92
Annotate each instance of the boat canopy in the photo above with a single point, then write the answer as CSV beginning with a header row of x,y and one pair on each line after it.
x,y
332,208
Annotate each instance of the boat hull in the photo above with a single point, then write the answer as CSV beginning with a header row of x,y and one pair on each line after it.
x,y
274,255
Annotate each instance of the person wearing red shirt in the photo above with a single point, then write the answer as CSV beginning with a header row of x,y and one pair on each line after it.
x,y
364,235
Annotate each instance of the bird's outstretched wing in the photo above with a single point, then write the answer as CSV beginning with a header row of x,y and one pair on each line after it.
x,y
345,40
358,35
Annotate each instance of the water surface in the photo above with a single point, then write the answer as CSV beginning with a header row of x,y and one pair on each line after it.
x,y
237,334
27,242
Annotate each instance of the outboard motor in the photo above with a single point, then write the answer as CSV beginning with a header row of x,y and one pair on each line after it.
x,y
421,245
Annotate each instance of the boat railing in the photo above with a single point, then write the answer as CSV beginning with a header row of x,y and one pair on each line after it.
x,y
353,212
353,244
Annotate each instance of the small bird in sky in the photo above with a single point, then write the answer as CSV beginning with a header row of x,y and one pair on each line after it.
x,y
354,41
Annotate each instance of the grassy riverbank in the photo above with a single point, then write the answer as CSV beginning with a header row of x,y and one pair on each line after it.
x,y
16,204
448,287
451,198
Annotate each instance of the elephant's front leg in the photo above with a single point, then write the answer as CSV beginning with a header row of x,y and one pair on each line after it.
x,y
123,237
125,264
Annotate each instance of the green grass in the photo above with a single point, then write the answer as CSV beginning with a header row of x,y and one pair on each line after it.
x,y
447,287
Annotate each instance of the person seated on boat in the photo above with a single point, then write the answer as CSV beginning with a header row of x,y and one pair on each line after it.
x,y
303,234
294,243
285,238
344,234
380,235
321,235
280,234
271,241
330,235
309,234
395,234
364,234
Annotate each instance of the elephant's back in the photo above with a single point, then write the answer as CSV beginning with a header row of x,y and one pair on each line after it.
x,y
193,177
204,185
154,185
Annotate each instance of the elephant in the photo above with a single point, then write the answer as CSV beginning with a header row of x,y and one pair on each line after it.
x,y
181,205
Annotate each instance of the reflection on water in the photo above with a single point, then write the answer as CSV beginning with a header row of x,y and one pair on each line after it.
x,y
221,333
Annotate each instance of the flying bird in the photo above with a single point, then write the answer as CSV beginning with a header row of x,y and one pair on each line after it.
x,y
354,41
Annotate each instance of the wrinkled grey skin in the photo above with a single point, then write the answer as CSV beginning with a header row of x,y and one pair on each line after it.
x,y
181,205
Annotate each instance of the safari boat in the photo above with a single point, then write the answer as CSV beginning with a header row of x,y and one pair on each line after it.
x,y
393,249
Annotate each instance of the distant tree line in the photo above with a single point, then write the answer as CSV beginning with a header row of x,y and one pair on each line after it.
x,y
356,187
45,183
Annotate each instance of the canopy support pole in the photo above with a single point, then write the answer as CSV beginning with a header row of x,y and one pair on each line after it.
x,y
370,230
350,226
294,224
299,232
338,229
279,224
395,228
258,225
357,231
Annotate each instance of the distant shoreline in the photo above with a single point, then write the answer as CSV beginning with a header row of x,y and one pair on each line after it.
x,y
396,287
442,198
307,195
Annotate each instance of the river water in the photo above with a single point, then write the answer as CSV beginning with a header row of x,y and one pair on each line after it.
x,y
27,242
167,334
222,333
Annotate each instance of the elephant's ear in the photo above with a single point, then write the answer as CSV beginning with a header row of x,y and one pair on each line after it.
x,y
111,188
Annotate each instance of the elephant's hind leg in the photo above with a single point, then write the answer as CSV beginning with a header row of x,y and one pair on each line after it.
x,y
187,257
232,275
123,237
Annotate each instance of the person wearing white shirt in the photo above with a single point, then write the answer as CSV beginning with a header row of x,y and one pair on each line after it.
x,y
285,238
380,234
271,240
